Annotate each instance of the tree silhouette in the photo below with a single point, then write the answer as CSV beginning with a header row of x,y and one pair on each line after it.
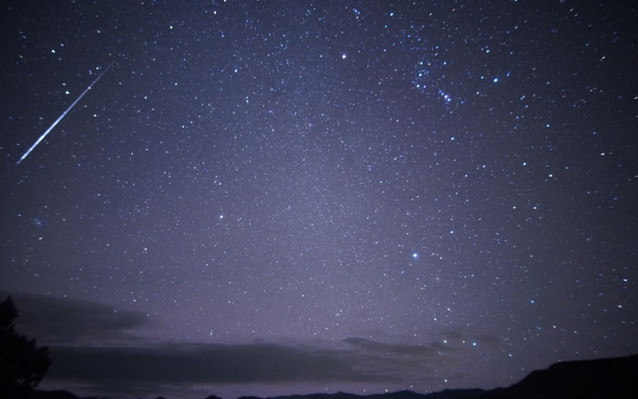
x,y
22,364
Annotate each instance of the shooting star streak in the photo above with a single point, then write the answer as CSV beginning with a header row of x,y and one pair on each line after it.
x,y
63,114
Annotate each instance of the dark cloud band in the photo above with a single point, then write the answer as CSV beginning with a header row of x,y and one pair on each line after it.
x,y
196,363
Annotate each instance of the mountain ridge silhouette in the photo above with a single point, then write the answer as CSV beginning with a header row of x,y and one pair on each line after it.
x,y
582,379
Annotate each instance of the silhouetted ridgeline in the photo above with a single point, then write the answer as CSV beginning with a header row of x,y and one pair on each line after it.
x,y
589,379
447,394
601,378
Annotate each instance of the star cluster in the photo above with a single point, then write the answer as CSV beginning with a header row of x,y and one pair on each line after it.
x,y
358,176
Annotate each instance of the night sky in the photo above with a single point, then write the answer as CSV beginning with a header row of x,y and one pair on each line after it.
x,y
285,197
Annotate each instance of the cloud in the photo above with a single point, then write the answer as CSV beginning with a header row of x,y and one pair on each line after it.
x,y
390,349
360,361
203,363
182,367
59,321
397,362
96,346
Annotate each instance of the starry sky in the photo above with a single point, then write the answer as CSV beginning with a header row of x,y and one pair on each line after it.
x,y
285,197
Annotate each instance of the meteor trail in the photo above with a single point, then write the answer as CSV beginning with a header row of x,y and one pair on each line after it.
x,y
63,114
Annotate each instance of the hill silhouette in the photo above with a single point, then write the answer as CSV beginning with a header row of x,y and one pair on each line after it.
x,y
587,379
600,378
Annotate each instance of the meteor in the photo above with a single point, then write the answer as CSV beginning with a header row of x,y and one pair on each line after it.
x,y
63,114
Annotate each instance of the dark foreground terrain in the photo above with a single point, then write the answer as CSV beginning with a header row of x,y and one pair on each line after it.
x,y
602,378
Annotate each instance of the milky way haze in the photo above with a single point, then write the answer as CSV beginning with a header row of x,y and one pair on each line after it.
x,y
291,197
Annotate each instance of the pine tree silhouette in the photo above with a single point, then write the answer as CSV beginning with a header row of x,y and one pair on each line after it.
x,y
22,364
